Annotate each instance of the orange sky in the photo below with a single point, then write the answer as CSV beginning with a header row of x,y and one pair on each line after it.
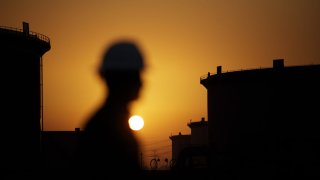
x,y
181,40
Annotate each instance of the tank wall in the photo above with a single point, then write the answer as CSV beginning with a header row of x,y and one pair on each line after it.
x,y
271,123
21,107
199,135
179,143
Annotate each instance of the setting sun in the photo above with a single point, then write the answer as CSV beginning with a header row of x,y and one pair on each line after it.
x,y
136,122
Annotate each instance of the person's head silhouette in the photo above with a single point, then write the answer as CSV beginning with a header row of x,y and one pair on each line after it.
x,y
121,69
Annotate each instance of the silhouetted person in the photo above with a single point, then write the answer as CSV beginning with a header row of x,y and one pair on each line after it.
x,y
107,146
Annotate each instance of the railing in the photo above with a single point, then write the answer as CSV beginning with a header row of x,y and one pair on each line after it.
x,y
20,32
203,77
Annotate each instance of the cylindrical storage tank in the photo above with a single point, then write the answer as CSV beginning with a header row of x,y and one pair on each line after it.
x,y
264,123
21,53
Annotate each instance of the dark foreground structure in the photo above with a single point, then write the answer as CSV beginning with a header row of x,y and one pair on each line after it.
x,y
21,54
264,123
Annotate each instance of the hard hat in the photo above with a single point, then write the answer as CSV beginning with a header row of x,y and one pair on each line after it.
x,y
122,56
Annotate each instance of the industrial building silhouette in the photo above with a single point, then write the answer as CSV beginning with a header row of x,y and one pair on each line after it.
x,y
21,54
190,156
198,137
264,123
58,148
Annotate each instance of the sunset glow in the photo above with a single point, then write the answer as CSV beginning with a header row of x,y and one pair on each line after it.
x,y
181,40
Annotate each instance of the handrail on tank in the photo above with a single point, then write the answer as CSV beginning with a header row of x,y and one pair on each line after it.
x,y
31,33
203,77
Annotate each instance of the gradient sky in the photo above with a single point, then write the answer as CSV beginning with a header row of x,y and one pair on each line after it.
x,y
181,40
